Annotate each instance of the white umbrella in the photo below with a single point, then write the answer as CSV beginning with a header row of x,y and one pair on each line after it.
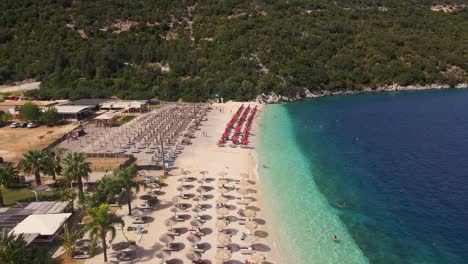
x,y
223,255
257,257
251,225
221,224
223,211
250,213
221,200
223,239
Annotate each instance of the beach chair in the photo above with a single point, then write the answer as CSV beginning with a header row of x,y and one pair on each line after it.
x,y
180,218
247,252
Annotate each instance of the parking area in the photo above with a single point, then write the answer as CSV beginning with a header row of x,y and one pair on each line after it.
x,y
16,141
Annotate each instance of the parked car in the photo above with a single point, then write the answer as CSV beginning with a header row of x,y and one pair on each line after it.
x,y
15,125
32,125
23,125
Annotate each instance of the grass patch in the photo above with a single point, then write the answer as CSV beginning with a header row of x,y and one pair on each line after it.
x,y
158,106
126,120
10,197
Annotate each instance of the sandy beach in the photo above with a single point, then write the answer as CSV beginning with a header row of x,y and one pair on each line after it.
x,y
204,155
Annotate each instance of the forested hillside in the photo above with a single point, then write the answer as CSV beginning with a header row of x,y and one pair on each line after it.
x,y
238,48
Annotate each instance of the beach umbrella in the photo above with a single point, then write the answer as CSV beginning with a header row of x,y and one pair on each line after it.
x,y
175,200
223,255
163,255
196,223
244,183
243,192
250,239
137,212
193,256
223,239
221,200
166,239
250,213
170,222
221,224
223,190
200,190
244,175
196,210
223,211
251,225
257,257
194,239
222,182
197,199
244,201
176,210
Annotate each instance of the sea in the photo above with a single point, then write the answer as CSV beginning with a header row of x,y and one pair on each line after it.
x,y
386,173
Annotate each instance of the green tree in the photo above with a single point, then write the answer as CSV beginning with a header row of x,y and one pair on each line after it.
x,y
32,163
50,116
8,176
98,222
125,179
30,112
104,191
75,168
51,163
69,238
13,249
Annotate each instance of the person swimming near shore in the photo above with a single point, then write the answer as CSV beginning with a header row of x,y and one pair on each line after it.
x,y
341,205
335,238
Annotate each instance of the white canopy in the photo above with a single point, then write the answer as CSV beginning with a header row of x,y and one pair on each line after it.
x,y
43,224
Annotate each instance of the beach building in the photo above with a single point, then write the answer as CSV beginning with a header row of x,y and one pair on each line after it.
x,y
126,105
37,221
105,120
13,106
75,112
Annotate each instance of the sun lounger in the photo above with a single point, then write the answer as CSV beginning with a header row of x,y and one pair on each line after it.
x,y
246,252
197,249
138,221
184,196
198,233
219,246
200,219
180,218
173,233
246,247
81,255
170,248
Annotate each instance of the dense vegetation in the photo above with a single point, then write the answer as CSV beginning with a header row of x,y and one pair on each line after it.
x,y
235,48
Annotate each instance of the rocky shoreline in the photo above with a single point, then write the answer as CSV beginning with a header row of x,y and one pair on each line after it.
x,y
274,98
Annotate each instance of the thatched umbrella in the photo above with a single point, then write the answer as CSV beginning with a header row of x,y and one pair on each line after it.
x,y
175,200
251,225
223,255
223,190
243,192
170,222
222,182
223,239
244,201
196,210
250,239
244,184
250,213
176,210
244,175
163,255
194,239
257,257
197,199
223,211
200,190
193,256
221,224
222,200
166,239
222,174
196,223
138,213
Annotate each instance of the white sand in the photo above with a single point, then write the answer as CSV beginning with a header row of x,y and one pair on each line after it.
x,y
203,154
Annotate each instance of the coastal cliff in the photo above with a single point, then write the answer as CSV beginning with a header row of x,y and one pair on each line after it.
x,y
273,98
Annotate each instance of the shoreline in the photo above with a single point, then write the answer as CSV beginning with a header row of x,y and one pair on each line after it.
x,y
273,98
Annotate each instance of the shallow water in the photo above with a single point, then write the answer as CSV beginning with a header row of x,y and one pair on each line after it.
x,y
384,172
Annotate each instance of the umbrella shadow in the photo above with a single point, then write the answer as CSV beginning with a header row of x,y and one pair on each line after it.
x,y
205,246
206,206
159,192
147,254
261,247
145,197
149,219
206,217
261,234
231,207
259,221
162,206
207,231
181,230
234,247
253,208
209,196
232,231
185,216
179,246
232,218
175,261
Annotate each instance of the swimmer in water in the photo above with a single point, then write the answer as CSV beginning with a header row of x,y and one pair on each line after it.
x,y
335,238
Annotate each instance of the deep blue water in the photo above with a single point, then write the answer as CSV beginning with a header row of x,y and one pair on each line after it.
x,y
397,163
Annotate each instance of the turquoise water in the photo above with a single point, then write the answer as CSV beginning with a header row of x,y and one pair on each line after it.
x,y
304,222
386,173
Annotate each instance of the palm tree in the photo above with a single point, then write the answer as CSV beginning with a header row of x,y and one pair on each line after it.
x,y
125,179
13,249
32,163
51,164
69,238
98,222
75,168
105,190
8,176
